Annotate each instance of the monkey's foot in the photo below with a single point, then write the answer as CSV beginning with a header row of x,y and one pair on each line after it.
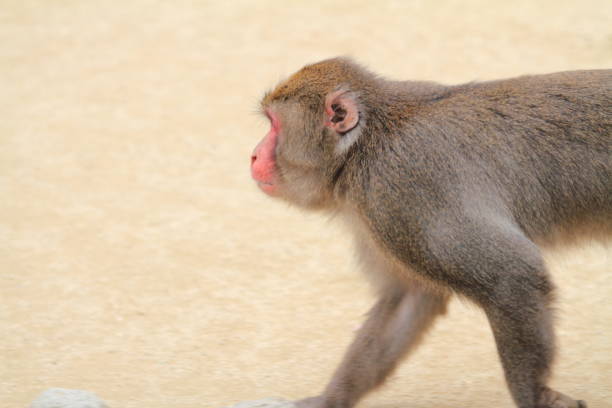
x,y
554,399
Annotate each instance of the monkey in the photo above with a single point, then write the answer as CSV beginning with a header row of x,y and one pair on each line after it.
x,y
448,190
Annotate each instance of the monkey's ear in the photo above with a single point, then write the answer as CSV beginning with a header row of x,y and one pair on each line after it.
x,y
342,111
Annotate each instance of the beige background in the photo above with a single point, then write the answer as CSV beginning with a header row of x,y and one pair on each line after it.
x,y
139,261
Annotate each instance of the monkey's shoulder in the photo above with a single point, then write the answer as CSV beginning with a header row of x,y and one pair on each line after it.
x,y
574,106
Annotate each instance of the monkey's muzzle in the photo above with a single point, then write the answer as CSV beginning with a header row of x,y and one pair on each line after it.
x,y
263,162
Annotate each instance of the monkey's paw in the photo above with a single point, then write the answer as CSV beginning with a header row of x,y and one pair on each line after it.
x,y
312,402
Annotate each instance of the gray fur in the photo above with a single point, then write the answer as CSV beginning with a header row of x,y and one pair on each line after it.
x,y
452,190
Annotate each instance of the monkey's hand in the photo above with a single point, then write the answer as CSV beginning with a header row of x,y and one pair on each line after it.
x,y
312,402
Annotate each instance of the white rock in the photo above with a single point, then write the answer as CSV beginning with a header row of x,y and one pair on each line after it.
x,y
265,403
63,398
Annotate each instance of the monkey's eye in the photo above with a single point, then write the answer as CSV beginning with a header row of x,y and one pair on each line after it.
x,y
339,113
274,122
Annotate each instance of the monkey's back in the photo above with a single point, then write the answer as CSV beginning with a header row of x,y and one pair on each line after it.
x,y
558,127
541,145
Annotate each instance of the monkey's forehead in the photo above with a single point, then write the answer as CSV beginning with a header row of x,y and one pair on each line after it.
x,y
297,85
285,98
314,80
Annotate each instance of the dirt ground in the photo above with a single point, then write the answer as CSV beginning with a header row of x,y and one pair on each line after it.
x,y
139,261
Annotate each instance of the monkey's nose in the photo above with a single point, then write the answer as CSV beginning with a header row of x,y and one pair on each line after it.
x,y
262,164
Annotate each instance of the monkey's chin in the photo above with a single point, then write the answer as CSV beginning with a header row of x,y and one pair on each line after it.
x,y
268,188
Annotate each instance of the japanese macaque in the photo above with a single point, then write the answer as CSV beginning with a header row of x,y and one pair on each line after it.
x,y
449,190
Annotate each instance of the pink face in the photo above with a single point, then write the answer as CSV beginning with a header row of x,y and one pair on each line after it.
x,y
263,165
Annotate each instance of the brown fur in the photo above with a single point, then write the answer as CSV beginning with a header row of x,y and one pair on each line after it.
x,y
450,190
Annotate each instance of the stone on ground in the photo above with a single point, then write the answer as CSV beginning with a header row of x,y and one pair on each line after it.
x,y
64,398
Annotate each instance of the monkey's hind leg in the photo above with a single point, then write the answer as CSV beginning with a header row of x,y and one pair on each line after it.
x,y
503,271
395,324
525,344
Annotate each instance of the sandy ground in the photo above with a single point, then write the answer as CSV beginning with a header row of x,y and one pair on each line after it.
x,y
139,261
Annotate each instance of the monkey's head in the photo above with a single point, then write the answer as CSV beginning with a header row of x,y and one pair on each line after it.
x,y
315,117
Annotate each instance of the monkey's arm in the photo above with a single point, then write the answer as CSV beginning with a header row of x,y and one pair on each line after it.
x,y
394,326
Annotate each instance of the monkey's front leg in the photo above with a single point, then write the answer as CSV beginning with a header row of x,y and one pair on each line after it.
x,y
394,326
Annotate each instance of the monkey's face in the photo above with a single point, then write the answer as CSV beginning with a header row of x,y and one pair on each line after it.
x,y
302,151
291,161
